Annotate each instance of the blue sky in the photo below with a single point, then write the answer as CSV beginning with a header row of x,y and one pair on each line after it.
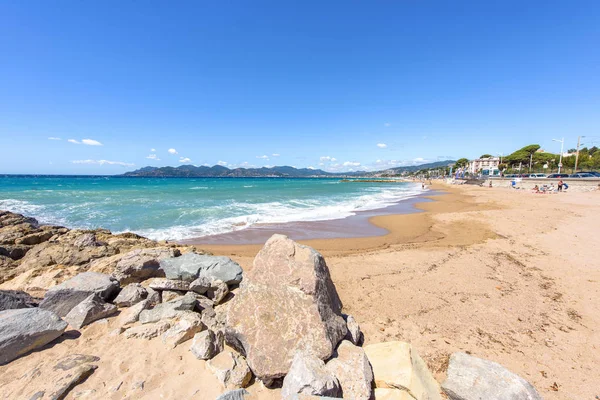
x,y
337,85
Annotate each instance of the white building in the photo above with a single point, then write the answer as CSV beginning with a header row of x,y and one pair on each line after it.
x,y
484,166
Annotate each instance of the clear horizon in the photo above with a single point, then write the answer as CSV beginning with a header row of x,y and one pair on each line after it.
x,y
101,89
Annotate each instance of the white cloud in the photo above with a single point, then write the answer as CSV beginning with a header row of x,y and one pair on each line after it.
x,y
275,155
311,167
387,124
381,145
91,142
153,157
222,163
54,138
103,162
172,151
328,158
268,166
351,164
152,150
184,160
263,157
321,164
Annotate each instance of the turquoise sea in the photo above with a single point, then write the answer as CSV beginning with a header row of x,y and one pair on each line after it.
x,y
184,208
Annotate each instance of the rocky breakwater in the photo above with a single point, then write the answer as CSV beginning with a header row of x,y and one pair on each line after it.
x,y
279,322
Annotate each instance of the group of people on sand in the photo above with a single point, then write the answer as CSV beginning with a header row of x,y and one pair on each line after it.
x,y
548,189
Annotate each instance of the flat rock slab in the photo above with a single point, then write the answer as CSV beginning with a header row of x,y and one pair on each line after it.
x,y
472,378
26,329
148,331
190,266
397,365
62,298
286,302
168,284
170,309
189,324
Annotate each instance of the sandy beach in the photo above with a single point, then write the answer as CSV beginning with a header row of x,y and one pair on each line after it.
x,y
505,275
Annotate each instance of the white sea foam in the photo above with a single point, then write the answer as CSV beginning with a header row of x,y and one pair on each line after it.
x,y
199,188
277,212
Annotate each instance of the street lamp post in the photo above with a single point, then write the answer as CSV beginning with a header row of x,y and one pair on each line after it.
x,y
562,143
577,154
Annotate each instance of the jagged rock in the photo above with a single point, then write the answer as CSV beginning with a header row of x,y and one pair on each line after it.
x,y
168,284
86,240
141,264
63,253
154,296
147,331
231,369
217,292
64,297
207,344
189,324
308,375
472,378
12,299
14,251
26,329
200,285
352,369
397,365
286,302
236,394
89,310
190,266
170,309
34,238
132,314
354,334
130,295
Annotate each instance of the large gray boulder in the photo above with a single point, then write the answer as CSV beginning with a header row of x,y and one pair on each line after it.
x,y
309,376
12,299
89,310
190,266
62,298
26,329
286,303
472,378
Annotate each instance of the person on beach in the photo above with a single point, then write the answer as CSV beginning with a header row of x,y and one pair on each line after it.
x,y
560,185
536,189
422,185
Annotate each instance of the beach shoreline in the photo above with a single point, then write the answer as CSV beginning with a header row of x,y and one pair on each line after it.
x,y
383,227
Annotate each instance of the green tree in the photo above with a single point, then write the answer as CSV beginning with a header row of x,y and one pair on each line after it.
x,y
486,156
461,162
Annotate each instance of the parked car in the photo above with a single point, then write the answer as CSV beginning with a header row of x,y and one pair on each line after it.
x,y
532,176
596,174
556,176
582,175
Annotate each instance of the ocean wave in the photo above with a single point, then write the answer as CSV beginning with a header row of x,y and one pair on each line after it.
x,y
199,187
279,213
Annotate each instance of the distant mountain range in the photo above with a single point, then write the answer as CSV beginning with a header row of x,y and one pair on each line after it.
x,y
218,171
